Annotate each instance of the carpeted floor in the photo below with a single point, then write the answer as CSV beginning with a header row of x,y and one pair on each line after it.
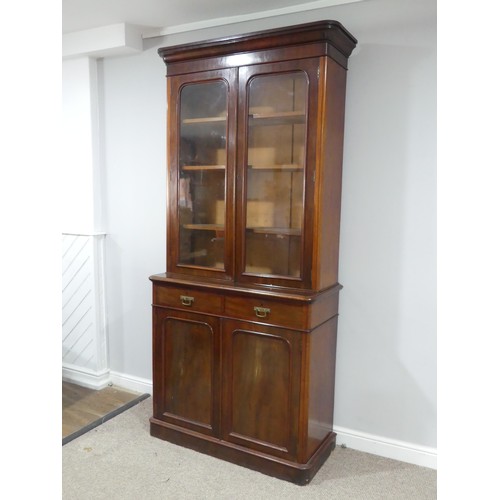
x,y
119,460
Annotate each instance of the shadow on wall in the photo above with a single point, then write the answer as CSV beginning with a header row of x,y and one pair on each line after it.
x,y
386,345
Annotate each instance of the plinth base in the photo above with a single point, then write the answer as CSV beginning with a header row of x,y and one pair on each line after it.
x,y
267,464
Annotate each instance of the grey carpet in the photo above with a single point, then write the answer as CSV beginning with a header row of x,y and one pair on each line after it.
x,y
119,460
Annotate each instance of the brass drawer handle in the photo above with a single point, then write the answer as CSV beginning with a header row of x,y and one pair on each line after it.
x,y
262,312
186,300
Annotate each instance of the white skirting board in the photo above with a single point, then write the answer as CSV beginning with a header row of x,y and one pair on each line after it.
x,y
137,384
368,443
387,447
86,378
97,381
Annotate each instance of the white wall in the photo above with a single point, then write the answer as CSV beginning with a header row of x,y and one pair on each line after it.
x,y
81,196
84,342
135,203
386,371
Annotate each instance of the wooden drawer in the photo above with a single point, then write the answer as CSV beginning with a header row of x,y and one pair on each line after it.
x,y
188,299
267,311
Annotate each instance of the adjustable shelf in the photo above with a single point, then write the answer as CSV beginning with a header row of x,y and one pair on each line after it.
x,y
285,231
281,118
205,119
193,168
283,168
204,227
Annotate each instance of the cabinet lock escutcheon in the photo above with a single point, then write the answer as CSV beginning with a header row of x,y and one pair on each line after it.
x,y
186,300
261,312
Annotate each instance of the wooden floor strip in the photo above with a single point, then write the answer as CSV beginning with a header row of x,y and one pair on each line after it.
x,y
103,419
84,408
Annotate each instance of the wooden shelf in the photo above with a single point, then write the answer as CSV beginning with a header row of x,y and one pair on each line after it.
x,y
203,167
284,118
205,119
284,168
285,231
204,227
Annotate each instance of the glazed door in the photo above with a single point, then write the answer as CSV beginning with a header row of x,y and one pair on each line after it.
x,y
261,383
201,129
186,375
277,124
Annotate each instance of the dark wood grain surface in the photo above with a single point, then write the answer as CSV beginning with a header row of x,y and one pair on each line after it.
x,y
244,345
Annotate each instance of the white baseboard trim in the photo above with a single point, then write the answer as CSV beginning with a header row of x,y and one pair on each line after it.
x,y
85,378
386,447
131,383
93,380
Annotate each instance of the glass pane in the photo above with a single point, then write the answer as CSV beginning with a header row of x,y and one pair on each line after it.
x,y
275,174
202,180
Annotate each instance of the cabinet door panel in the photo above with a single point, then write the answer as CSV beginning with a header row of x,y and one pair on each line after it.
x,y
278,114
261,387
185,385
201,162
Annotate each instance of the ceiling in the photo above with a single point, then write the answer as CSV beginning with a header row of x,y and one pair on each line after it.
x,y
78,15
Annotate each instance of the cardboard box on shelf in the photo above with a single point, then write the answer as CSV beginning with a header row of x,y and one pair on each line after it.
x,y
261,157
260,213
